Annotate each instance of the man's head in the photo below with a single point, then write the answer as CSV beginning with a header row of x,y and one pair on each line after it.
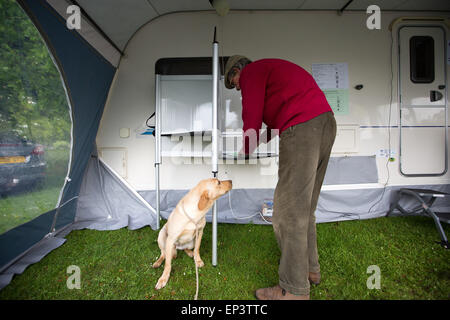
x,y
233,69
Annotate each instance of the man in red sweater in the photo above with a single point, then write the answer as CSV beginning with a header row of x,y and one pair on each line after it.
x,y
287,99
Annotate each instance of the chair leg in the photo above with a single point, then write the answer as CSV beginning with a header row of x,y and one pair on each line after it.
x,y
391,209
426,209
394,204
437,222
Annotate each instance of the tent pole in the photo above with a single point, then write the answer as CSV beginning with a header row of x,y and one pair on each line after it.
x,y
157,196
341,11
214,149
157,146
214,235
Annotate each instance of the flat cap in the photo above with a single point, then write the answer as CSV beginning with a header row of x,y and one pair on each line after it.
x,y
231,62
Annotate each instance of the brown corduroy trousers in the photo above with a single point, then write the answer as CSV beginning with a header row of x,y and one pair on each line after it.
x,y
303,158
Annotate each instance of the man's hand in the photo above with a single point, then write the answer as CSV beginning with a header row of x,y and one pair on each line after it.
x,y
264,137
267,135
241,153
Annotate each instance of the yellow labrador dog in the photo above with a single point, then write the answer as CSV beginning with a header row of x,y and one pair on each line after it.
x,y
179,232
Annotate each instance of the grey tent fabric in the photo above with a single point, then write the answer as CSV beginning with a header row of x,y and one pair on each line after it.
x,y
244,205
35,254
106,203
350,170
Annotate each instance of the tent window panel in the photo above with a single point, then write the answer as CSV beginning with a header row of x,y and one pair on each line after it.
x,y
421,50
35,123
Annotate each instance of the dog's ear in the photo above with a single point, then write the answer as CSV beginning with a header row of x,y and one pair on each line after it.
x,y
203,202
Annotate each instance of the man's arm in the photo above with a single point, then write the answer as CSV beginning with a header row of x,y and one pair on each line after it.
x,y
253,87
265,137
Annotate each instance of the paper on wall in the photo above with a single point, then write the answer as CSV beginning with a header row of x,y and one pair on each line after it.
x,y
332,79
331,75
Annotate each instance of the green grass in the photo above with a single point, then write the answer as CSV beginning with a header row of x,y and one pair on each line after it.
x,y
25,204
117,264
23,207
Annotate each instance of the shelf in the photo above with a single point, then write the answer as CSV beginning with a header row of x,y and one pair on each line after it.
x,y
225,156
187,133
260,155
230,134
186,154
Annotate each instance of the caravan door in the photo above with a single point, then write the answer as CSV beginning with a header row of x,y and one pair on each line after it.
x,y
423,100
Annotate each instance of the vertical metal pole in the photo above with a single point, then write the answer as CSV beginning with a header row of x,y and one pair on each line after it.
x,y
214,149
214,235
446,54
157,195
157,144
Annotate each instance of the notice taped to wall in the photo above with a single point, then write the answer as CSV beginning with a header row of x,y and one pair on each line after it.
x,y
332,79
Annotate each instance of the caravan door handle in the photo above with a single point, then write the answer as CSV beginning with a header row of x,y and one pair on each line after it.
x,y
435,95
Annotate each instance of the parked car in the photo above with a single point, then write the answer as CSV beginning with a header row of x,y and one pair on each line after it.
x,y
22,163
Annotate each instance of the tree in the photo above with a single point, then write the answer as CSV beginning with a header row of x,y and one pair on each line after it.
x,y
32,98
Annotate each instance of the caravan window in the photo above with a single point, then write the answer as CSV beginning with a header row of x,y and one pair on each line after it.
x,y
421,50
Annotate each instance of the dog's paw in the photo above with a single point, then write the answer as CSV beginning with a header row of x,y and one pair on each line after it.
x,y
161,283
190,253
157,264
199,263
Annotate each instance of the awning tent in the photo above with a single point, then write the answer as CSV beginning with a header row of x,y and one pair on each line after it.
x,y
87,60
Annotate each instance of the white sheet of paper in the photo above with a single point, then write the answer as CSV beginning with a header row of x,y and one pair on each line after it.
x,y
331,75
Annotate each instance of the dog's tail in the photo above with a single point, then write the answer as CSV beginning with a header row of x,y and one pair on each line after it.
x,y
162,238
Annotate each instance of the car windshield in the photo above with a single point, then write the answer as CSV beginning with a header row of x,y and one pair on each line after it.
x,y
10,138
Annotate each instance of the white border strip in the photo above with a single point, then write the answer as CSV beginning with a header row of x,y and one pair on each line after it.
x,y
334,187
127,185
89,33
356,186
